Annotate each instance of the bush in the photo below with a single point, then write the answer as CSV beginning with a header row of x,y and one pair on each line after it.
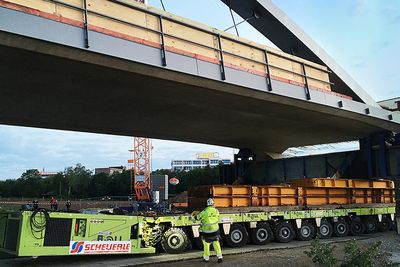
x,y
371,256
321,254
355,256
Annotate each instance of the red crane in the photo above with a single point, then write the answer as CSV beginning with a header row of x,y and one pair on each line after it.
x,y
140,171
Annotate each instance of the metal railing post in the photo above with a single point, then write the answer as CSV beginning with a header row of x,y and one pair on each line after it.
x,y
269,83
86,25
163,55
306,88
221,58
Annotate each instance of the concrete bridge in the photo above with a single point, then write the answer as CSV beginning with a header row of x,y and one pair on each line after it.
x,y
61,74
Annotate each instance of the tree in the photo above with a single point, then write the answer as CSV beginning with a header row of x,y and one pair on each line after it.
x,y
79,182
120,184
30,184
28,174
56,185
100,185
78,178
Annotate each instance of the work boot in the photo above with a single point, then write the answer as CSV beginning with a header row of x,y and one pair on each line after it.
x,y
206,259
219,260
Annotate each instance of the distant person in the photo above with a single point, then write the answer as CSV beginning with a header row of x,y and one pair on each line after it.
x,y
35,204
55,204
209,230
52,203
68,205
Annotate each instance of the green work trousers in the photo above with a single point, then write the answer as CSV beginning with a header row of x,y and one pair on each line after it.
x,y
216,246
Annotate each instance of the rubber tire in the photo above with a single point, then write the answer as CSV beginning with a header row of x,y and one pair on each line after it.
x,y
371,225
357,227
198,243
305,225
262,228
237,237
385,225
284,232
174,235
189,246
393,225
328,230
338,232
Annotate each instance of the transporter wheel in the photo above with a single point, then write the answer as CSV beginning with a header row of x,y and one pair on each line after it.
x,y
174,240
371,225
340,228
262,234
237,237
325,230
189,246
385,224
393,226
356,227
198,243
190,242
284,232
306,231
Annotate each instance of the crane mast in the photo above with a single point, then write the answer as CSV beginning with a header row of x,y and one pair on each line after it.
x,y
140,171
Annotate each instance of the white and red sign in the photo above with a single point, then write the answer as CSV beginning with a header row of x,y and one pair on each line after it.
x,y
99,247
174,181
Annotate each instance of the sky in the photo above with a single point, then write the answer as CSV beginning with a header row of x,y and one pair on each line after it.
x,y
363,36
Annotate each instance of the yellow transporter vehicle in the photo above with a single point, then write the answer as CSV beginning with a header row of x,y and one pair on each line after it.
x,y
31,233
44,233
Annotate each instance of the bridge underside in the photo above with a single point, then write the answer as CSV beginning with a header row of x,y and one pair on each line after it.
x,y
46,91
118,87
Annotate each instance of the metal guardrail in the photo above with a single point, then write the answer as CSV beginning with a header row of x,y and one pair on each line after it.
x,y
218,37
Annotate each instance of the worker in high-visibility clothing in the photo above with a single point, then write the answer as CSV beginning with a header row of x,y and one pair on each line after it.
x,y
209,230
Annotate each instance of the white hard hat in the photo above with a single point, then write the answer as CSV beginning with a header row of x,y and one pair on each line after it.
x,y
210,202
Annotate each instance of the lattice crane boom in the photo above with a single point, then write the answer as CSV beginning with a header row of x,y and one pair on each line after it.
x,y
140,171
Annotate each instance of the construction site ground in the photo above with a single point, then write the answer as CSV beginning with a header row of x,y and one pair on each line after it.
x,y
273,254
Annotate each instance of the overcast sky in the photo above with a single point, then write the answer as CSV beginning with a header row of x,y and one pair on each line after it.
x,y
362,36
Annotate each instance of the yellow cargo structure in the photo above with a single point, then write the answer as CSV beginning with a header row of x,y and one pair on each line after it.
x,y
343,183
275,196
313,192
224,195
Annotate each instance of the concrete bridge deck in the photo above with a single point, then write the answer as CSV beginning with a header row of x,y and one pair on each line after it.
x,y
51,80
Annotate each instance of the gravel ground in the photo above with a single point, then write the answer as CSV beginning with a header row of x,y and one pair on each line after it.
x,y
292,256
